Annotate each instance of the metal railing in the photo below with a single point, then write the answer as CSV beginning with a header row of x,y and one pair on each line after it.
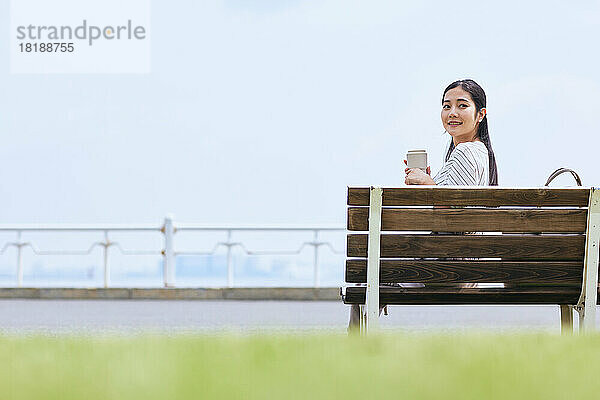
x,y
168,252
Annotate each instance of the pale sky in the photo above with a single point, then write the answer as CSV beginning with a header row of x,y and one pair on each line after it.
x,y
263,112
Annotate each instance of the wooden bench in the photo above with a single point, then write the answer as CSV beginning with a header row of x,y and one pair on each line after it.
x,y
540,243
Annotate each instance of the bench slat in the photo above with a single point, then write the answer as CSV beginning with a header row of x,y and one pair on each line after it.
x,y
480,271
507,247
472,220
474,196
445,295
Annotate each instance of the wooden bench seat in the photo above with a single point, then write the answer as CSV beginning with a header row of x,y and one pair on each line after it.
x,y
536,242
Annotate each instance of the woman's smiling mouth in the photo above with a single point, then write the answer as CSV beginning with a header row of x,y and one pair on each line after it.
x,y
454,123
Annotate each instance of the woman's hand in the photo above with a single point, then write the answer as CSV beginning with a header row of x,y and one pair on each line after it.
x,y
416,176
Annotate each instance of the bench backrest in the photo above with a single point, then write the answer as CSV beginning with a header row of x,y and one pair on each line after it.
x,y
536,237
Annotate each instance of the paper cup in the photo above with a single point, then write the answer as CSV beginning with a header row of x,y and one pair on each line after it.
x,y
417,159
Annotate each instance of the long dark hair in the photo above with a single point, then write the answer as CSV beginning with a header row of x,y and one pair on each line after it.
x,y
478,96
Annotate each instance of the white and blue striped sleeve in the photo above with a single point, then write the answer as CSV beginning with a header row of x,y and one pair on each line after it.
x,y
460,169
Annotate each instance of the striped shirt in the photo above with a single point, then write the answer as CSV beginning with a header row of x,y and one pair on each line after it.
x,y
468,165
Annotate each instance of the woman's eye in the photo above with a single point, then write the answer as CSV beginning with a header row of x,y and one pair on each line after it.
x,y
463,106
445,107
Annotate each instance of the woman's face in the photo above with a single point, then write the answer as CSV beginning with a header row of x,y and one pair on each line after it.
x,y
459,115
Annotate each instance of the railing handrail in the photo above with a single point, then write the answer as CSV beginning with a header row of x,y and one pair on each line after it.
x,y
79,227
192,226
168,229
154,227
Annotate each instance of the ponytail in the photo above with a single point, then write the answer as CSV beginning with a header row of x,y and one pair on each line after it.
x,y
484,136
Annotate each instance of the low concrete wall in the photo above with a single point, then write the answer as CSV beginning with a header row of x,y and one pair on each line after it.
x,y
295,294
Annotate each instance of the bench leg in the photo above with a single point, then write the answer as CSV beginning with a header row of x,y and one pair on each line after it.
x,y
363,319
566,319
373,255
581,315
355,319
587,321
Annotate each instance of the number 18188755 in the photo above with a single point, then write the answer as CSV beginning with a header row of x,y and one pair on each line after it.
x,y
56,47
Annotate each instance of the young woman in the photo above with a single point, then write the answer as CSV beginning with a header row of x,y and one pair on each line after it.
x,y
469,161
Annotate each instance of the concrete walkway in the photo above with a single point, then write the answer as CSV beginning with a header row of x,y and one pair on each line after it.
x,y
180,316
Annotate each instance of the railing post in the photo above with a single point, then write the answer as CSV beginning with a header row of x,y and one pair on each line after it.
x,y
106,245
229,265
19,260
316,258
169,253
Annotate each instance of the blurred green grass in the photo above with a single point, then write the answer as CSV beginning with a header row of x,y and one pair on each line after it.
x,y
474,366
